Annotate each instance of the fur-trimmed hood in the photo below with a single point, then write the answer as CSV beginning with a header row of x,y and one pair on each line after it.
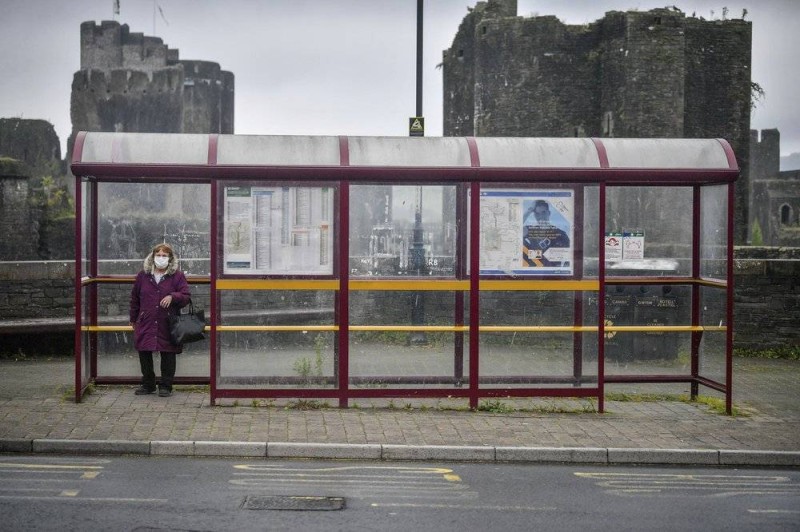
x,y
149,264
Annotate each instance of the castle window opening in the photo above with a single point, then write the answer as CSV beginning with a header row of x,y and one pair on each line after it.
x,y
608,124
786,214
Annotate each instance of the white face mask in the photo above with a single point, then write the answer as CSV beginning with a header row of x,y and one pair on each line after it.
x,y
161,262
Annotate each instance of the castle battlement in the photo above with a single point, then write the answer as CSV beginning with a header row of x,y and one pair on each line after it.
x,y
112,45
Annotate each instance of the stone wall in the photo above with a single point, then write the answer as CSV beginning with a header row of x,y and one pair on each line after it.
x,y
18,224
766,301
646,74
767,297
34,142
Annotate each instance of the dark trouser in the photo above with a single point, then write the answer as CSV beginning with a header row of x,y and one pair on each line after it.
x,y
168,362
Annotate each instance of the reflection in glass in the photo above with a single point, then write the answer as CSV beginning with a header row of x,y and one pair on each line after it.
x,y
402,230
655,228
133,217
714,231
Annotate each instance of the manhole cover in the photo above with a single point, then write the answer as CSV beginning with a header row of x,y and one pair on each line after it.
x,y
292,502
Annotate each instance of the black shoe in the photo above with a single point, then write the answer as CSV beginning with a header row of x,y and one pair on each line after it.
x,y
164,391
144,390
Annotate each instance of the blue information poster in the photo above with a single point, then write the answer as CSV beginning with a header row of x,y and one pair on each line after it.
x,y
527,232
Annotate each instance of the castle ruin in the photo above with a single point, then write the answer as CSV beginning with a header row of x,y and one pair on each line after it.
x,y
645,74
136,83
775,195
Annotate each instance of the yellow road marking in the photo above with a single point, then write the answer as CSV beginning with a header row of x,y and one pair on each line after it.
x,y
47,466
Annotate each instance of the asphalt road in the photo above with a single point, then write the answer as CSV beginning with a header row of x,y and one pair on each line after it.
x,y
147,493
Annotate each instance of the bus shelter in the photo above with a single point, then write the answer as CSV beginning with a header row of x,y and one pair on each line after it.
x,y
353,268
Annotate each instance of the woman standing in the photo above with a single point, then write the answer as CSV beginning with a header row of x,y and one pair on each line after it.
x,y
160,289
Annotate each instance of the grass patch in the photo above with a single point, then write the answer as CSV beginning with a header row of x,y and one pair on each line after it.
x,y
645,397
714,404
495,406
787,352
193,388
68,392
499,407
306,404
717,406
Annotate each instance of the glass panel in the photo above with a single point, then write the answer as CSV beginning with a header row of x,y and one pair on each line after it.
x,y
591,223
133,217
646,353
116,353
114,301
407,358
117,357
714,231
538,358
85,215
403,230
85,357
654,225
713,306
713,314
712,357
86,337
511,360
277,360
278,230
256,359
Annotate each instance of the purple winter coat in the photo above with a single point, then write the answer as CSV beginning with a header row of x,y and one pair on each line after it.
x,y
151,330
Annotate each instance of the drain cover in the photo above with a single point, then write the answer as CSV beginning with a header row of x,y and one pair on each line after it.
x,y
292,502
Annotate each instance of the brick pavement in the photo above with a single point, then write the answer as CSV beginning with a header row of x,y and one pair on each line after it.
x,y
35,405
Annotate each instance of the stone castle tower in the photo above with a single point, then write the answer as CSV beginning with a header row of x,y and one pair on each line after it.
x,y
775,194
136,83
657,73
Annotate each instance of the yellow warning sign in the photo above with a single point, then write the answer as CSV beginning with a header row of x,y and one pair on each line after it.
x,y
416,126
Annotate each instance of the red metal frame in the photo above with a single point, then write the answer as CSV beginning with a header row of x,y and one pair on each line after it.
x,y
472,179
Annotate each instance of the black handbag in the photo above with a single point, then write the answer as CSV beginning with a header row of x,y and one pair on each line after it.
x,y
189,327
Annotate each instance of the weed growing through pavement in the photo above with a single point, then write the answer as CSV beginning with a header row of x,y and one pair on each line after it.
x,y
714,404
495,406
68,392
306,404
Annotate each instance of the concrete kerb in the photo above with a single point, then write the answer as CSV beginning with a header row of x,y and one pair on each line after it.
x,y
335,451
91,447
573,455
387,452
760,458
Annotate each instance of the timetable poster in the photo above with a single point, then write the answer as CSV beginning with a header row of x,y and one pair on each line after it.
x,y
278,230
527,232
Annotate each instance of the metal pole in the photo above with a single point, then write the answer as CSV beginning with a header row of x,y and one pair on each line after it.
x,y
419,57
417,251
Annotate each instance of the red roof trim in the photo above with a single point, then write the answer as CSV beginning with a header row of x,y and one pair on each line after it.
x,y
601,152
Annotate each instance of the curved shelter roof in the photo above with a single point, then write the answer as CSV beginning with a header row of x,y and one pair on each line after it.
x,y
178,157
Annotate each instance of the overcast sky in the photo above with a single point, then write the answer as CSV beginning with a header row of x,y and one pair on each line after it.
x,y
331,67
